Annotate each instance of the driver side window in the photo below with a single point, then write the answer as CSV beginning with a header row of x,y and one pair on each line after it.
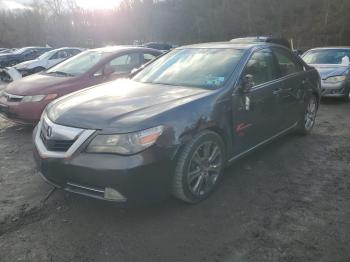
x,y
262,67
125,63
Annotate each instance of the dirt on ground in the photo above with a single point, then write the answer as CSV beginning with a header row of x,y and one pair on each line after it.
x,y
289,201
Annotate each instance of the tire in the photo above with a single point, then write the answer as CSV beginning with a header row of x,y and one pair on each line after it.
x,y
199,167
347,97
307,121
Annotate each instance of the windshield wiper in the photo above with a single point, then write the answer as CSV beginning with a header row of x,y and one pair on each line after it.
x,y
60,73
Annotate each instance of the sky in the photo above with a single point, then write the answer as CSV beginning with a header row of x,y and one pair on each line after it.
x,y
88,4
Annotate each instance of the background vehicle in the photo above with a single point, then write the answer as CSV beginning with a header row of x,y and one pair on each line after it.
x,y
47,60
262,39
24,100
21,55
5,50
333,65
159,46
176,124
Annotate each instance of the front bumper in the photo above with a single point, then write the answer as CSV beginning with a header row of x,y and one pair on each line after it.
x,y
142,177
22,113
335,90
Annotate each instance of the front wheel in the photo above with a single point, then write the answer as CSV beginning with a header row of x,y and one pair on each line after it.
x,y
347,97
199,167
307,123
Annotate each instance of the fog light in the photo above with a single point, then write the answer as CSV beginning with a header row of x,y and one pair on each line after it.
x,y
114,195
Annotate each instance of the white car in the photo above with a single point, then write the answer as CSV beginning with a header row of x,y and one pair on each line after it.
x,y
47,60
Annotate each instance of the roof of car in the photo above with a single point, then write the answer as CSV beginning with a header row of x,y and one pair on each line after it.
x,y
67,47
331,47
118,48
228,45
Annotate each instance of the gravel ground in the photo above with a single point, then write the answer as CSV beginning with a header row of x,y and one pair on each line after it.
x,y
289,201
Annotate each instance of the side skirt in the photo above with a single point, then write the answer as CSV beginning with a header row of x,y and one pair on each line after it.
x,y
262,143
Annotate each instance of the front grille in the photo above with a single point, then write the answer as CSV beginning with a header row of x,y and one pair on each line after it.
x,y
56,145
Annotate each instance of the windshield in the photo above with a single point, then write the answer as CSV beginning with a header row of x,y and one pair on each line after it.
x,y
47,55
327,56
80,64
194,67
20,51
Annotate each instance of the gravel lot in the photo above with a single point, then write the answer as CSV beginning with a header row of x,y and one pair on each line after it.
x,y
290,201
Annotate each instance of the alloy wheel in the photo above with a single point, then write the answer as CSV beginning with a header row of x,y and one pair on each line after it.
x,y
204,168
310,114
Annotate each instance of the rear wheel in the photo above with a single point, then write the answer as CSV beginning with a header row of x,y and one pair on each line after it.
x,y
199,167
307,122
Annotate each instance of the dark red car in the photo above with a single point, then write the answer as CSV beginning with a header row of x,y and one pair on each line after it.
x,y
24,100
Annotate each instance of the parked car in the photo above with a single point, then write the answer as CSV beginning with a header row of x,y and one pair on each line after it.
x,y
5,50
24,100
177,123
159,46
333,64
47,60
21,55
261,39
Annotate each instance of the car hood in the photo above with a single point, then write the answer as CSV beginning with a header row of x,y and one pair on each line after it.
x,y
110,105
39,84
327,71
24,65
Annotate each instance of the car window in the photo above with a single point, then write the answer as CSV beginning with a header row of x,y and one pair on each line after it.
x,y
125,63
62,54
79,64
262,67
287,64
148,57
47,55
73,52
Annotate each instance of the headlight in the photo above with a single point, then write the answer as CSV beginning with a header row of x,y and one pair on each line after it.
x,y
335,79
125,144
39,98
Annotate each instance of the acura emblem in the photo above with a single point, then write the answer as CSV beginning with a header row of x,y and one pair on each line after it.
x,y
49,131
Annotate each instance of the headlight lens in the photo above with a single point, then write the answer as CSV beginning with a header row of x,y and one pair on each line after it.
x,y
125,144
39,98
335,79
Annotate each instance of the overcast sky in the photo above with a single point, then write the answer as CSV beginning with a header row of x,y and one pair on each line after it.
x,y
93,4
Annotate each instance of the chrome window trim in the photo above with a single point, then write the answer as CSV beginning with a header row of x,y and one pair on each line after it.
x,y
81,136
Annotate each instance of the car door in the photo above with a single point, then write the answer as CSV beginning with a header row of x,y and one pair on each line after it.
x,y
291,92
255,112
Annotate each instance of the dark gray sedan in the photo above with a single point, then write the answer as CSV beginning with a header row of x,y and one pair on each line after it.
x,y
177,123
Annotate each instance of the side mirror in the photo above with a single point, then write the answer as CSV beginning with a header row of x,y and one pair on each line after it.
x,y
247,83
